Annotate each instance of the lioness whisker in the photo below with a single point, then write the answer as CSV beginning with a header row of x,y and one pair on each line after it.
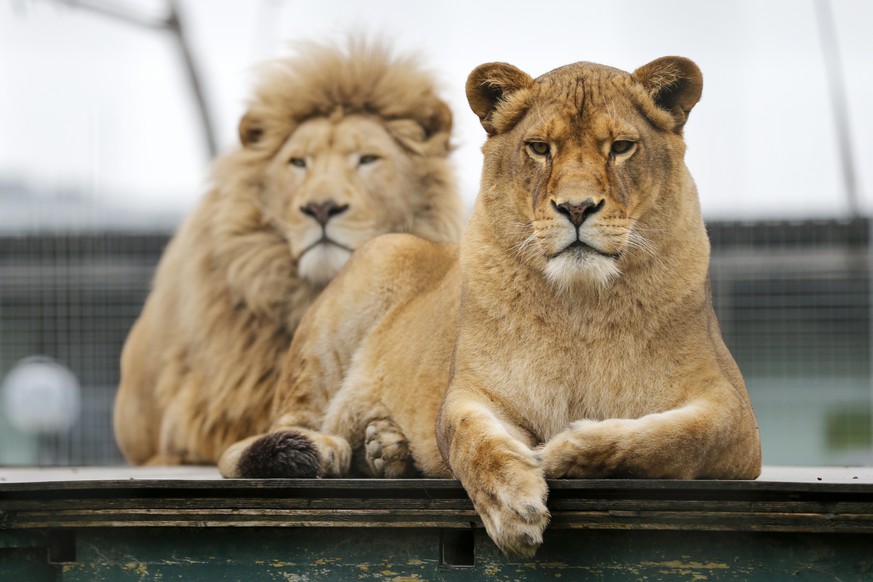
x,y
635,222
637,241
526,249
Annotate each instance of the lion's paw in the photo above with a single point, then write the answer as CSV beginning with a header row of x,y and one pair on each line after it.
x,y
515,514
387,450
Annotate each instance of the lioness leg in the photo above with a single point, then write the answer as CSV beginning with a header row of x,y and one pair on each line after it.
x,y
357,414
387,450
691,442
502,475
290,452
293,445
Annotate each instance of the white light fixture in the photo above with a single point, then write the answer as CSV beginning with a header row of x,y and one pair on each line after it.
x,y
41,396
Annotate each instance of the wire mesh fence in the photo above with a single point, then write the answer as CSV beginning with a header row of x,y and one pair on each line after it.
x,y
793,300
72,298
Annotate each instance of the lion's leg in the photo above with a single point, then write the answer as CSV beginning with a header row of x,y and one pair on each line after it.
x,y
136,422
684,443
178,443
137,410
502,475
163,461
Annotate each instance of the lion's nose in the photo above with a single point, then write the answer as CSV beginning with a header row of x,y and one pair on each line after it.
x,y
323,211
578,213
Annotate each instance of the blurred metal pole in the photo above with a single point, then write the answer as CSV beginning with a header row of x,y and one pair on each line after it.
x,y
837,85
173,24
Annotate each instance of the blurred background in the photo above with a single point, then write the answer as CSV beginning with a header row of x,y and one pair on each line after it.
x,y
111,110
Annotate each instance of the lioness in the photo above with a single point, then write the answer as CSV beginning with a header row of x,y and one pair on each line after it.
x,y
572,336
339,144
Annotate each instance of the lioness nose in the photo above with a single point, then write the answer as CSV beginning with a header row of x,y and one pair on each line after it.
x,y
323,211
578,213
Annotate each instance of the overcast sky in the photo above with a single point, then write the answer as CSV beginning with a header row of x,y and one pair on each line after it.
x,y
89,102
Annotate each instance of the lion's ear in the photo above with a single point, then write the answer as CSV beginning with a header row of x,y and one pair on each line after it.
x,y
250,130
675,84
439,120
428,134
491,83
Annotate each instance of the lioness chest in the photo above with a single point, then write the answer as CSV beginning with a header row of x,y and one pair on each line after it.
x,y
556,379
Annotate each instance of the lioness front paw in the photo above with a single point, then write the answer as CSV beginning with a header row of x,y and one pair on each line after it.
x,y
557,457
514,511
589,450
387,450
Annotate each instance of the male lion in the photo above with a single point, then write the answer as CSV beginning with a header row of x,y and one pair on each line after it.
x,y
338,145
572,335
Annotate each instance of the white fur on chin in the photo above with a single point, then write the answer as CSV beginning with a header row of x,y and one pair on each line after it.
x,y
320,263
573,268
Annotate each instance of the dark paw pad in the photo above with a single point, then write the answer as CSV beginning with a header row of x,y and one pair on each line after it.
x,y
280,455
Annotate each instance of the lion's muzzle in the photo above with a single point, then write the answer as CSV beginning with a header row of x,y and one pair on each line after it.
x,y
322,212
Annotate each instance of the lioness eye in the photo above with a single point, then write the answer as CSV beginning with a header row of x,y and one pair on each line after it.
x,y
297,162
367,159
622,146
539,148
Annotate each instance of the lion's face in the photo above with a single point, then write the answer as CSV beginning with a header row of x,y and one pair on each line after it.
x,y
336,183
580,168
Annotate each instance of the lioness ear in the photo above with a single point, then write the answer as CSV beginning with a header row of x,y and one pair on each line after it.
x,y
675,84
250,130
491,83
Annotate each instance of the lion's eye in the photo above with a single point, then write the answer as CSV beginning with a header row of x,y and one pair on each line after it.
x,y
297,162
622,146
539,148
367,159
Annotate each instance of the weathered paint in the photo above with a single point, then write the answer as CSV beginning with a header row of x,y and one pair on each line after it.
x,y
404,555
315,530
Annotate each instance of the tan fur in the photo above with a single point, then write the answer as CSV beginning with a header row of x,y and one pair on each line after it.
x,y
584,349
354,130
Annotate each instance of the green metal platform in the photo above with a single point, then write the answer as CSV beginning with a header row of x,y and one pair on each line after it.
x,y
185,523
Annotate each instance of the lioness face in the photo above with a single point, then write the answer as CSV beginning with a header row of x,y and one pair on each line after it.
x,y
582,165
338,183
581,199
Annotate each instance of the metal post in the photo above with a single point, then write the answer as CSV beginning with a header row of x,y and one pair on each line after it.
x,y
839,103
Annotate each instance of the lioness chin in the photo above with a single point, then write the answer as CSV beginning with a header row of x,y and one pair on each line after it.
x,y
571,336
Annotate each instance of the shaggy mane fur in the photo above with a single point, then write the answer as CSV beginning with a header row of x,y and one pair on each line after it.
x,y
355,78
